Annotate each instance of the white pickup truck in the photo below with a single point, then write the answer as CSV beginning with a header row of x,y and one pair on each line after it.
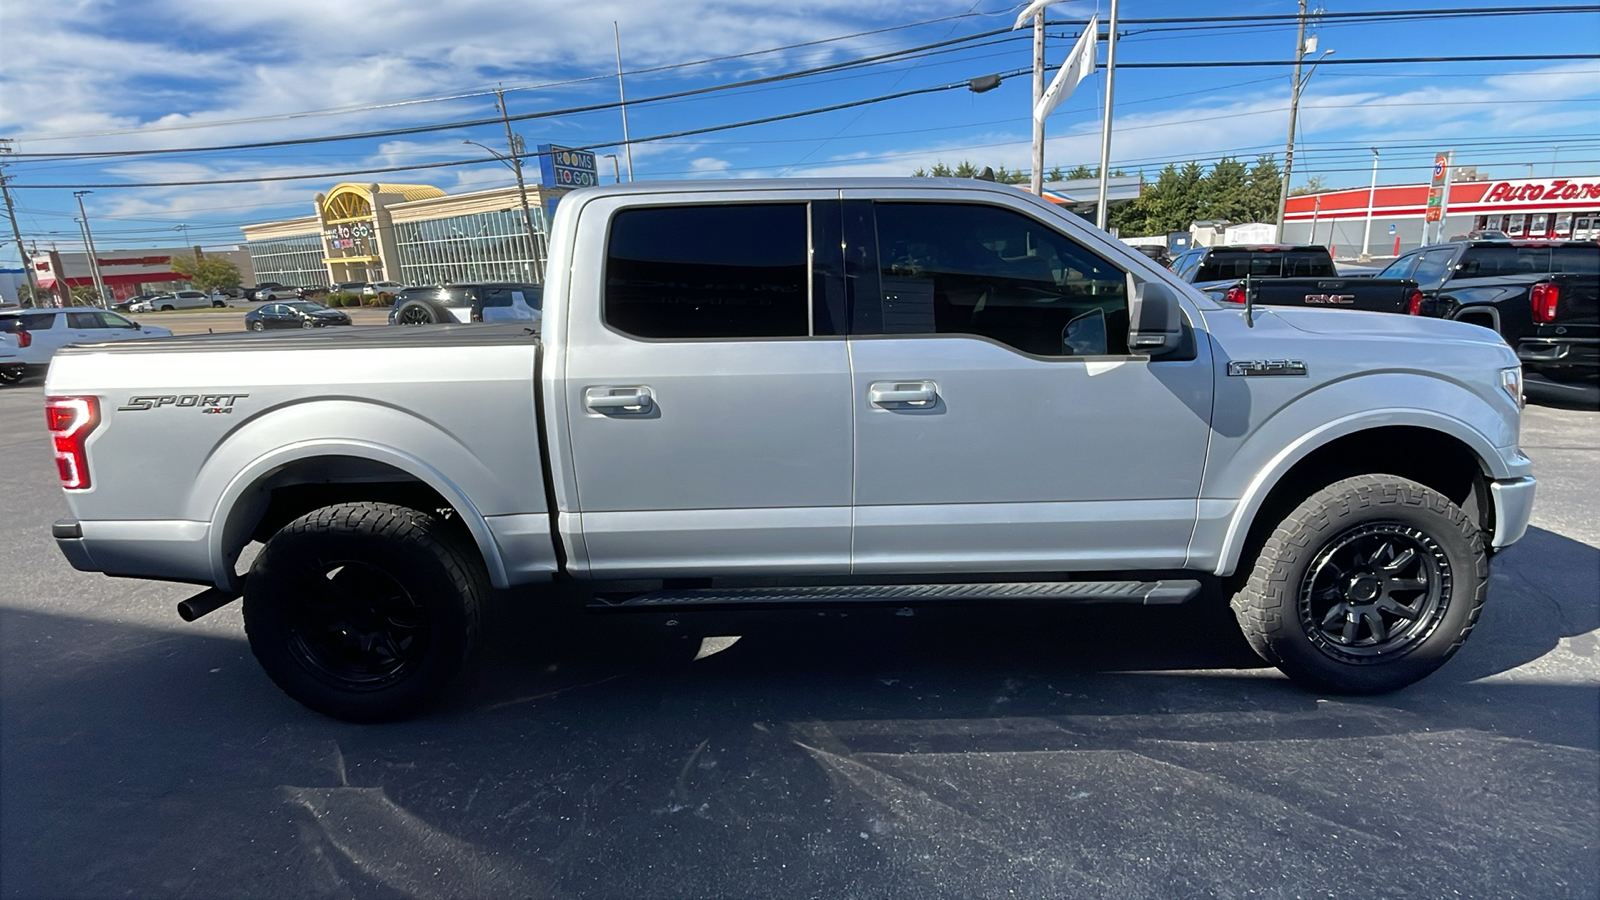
x,y
808,392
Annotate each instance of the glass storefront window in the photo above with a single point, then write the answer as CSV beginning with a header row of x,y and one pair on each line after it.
x,y
487,246
295,260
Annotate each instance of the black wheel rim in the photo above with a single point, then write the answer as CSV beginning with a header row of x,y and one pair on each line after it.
x,y
1375,591
356,626
415,315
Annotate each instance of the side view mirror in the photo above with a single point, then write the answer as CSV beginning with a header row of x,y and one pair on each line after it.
x,y
1155,321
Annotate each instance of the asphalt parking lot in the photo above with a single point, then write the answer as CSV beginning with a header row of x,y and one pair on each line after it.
x,y
951,752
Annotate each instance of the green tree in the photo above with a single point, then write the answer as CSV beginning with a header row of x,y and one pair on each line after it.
x,y
28,295
940,170
1316,184
1261,189
965,169
84,295
1080,172
1055,175
1224,192
207,273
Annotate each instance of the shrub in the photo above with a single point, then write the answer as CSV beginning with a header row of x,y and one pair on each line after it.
x,y
342,298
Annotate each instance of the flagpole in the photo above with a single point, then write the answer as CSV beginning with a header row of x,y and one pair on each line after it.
x,y
1105,126
1038,93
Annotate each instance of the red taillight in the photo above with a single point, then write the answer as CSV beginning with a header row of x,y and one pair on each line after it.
x,y
1544,298
71,419
1414,304
1234,295
24,339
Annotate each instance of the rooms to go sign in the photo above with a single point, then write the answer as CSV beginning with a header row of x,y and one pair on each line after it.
x,y
563,168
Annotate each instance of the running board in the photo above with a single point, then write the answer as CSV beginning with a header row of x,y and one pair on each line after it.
x,y
1148,593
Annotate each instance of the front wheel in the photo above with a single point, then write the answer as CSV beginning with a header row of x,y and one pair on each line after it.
x,y
364,611
166,309
218,304
416,314
11,374
1368,586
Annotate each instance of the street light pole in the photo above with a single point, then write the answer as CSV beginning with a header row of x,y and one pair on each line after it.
x,y
94,259
1372,195
622,98
616,168
1105,126
1037,180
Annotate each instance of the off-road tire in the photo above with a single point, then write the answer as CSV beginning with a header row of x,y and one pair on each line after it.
x,y
1278,607
317,638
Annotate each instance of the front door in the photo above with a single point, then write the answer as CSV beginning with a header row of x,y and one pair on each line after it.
x,y
709,412
1000,422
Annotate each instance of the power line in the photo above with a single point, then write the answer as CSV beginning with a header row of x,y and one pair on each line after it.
x,y
478,161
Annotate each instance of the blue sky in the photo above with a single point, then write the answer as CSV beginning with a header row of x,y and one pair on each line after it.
x,y
94,75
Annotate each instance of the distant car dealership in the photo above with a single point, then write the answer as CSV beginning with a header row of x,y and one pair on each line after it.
x,y
1552,208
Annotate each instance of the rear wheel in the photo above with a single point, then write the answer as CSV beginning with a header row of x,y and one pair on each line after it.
x,y
11,374
364,611
417,314
166,309
257,326
218,304
1368,586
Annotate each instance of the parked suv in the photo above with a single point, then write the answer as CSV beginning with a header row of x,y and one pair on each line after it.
x,y
41,332
486,302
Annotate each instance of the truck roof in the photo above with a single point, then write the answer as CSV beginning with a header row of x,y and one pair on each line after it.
x,y
746,185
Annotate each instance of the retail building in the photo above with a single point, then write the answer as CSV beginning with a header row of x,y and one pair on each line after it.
x,y
1551,208
126,272
410,233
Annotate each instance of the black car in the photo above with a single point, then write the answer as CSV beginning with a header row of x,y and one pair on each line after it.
x,y
124,305
293,314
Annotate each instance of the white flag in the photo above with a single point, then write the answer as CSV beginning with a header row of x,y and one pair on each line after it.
x,y
1079,65
1031,10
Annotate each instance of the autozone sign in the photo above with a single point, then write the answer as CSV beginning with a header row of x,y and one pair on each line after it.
x,y
1549,189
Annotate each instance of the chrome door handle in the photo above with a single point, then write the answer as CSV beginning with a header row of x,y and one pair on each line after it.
x,y
621,399
919,394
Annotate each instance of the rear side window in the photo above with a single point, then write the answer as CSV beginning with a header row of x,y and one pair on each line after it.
x,y
38,321
1481,262
84,320
727,271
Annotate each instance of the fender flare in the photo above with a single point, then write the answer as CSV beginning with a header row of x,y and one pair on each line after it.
x,y
1244,513
264,465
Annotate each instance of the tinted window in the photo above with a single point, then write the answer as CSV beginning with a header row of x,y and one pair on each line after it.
x,y
1231,264
497,297
1487,261
709,272
1400,268
1431,270
456,296
982,270
84,320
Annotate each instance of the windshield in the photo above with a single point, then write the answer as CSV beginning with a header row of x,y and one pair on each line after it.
x,y
1479,262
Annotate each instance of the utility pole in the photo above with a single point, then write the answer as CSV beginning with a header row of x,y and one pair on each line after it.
x,y
1294,112
1037,181
16,233
622,97
1100,216
94,259
514,144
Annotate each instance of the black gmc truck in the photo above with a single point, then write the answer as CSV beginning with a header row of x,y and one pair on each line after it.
x,y
1291,275
1543,297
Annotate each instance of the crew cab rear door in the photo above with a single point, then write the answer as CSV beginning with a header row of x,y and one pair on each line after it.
x,y
1001,423
708,408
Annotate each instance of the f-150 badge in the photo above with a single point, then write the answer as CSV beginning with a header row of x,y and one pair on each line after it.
x,y
1266,367
206,403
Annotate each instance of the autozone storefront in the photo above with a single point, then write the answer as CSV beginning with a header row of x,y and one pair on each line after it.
x,y
1551,208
